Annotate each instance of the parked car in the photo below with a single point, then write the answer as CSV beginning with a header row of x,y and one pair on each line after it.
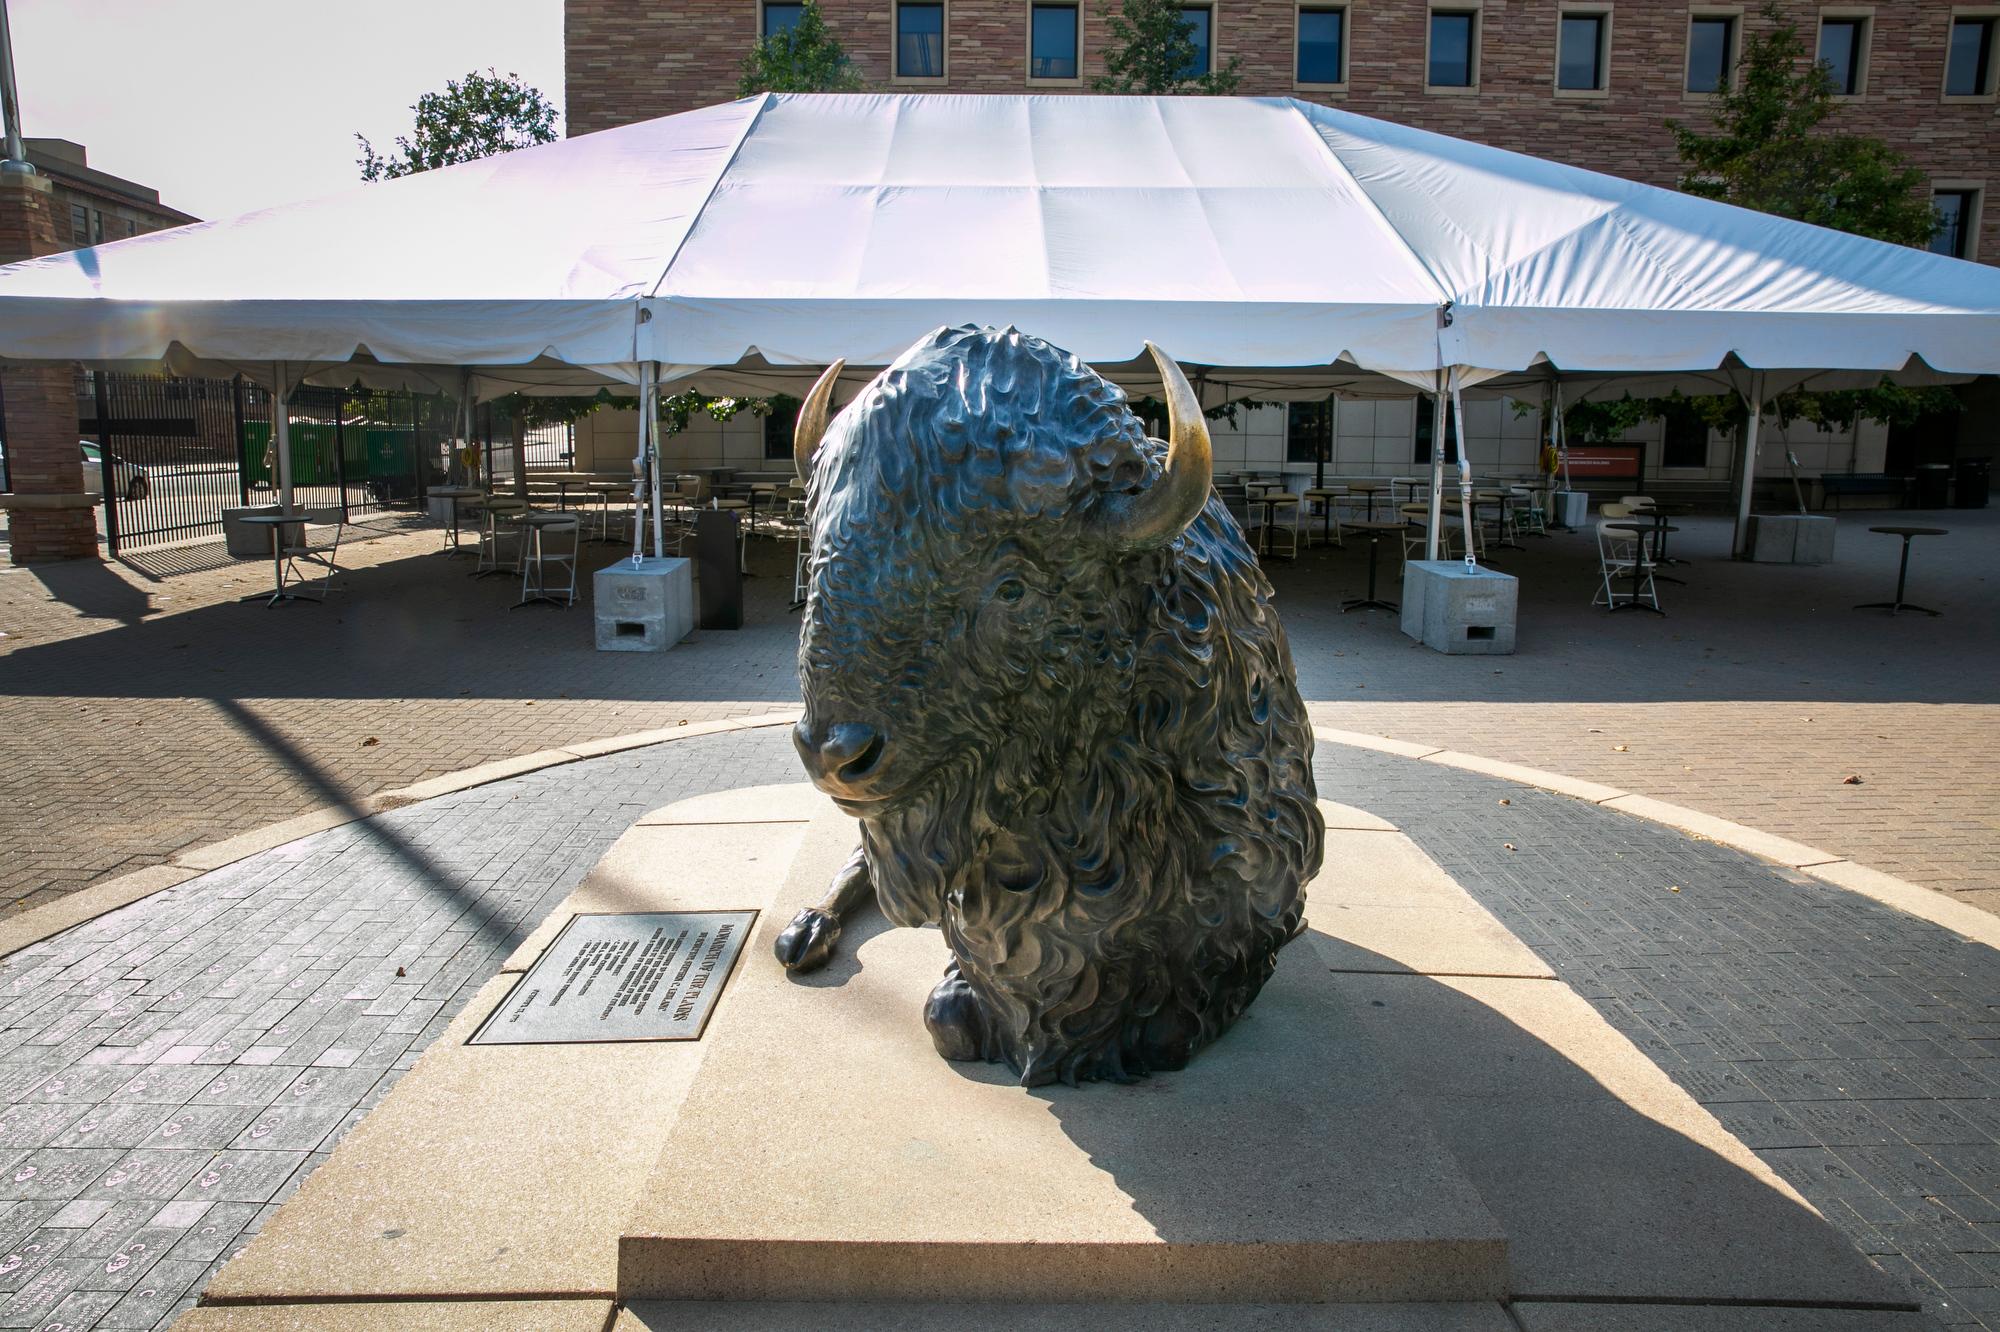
x,y
133,483
132,478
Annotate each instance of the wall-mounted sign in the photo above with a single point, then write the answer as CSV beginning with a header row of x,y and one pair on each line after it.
x,y
1606,462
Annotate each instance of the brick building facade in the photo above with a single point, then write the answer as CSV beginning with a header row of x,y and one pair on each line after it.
x,y
92,206
627,61
65,205
49,517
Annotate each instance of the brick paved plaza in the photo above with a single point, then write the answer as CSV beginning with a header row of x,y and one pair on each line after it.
x,y
171,1071
151,712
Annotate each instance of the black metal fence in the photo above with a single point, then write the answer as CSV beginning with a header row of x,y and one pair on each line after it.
x,y
178,451
162,451
166,455
551,448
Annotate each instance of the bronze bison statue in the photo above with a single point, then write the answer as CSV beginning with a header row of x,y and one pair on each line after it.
x,y
1040,664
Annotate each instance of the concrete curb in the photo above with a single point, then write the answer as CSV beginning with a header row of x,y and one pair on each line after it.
x,y
1912,899
33,926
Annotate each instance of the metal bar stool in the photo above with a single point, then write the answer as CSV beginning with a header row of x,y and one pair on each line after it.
x,y
1281,508
451,495
535,530
497,515
605,491
1328,499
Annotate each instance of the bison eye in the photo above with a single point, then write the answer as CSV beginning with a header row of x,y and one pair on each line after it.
x,y
1011,591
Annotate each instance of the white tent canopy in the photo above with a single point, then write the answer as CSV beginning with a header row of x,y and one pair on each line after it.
x,y
1275,242
1273,246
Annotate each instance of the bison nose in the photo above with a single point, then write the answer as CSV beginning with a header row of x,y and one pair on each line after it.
x,y
844,758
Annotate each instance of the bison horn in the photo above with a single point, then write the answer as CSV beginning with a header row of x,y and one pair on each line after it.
x,y
1162,512
812,420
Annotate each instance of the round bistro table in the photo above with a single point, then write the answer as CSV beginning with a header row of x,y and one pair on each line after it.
x,y
1903,570
1375,530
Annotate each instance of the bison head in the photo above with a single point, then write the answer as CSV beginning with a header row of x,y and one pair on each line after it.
x,y
987,518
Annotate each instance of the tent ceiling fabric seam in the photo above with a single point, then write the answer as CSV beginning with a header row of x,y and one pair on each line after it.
x,y
1374,209
707,195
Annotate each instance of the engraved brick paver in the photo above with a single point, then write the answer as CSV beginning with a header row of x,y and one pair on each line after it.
x,y
193,1056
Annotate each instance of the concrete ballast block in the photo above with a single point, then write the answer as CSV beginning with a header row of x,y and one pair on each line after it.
x,y
1457,610
1791,538
644,605
1569,508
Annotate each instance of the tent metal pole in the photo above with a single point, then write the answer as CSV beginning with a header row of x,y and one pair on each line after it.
x,y
16,162
1740,546
1437,476
459,466
1464,474
281,432
1332,442
644,448
653,455
1559,438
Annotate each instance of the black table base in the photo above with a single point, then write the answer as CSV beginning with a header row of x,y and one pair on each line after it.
x,y
1371,601
1902,577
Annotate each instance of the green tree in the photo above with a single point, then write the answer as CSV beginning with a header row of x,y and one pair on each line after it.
x,y
1152,51
474,117
1772,150
802,58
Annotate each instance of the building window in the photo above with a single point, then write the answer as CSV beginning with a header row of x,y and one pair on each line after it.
x,y
96,226
780,423
919,41
1427,413
1711,53
1454,49
1309,430
1685,442
781,18
1968,66
79,224
1956,211
1201,19
1580,52
1052,34
1322,46
1843,51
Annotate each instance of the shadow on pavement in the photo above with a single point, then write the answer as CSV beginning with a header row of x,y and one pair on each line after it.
x,y
1600,1199
433,877
418,627
94,591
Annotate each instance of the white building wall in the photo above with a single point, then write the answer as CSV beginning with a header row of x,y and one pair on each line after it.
x,y
607,439
1376,438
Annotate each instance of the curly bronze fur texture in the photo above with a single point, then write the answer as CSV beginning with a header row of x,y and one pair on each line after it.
x,y
1091,768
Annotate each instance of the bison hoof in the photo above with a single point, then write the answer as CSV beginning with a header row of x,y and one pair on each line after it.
x,y
957,1023
806,943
